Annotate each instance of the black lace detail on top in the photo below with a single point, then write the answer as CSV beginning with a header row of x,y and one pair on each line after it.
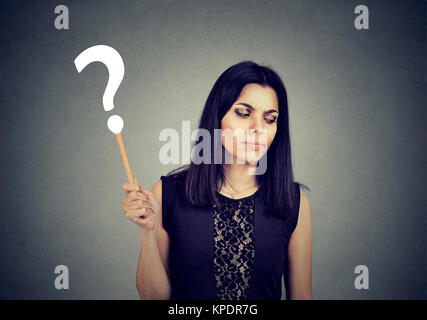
x,y
234,246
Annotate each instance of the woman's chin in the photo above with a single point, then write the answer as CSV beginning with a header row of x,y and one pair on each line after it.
x,y
251,157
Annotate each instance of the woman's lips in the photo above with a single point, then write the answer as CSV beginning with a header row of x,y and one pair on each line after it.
x,y
254,145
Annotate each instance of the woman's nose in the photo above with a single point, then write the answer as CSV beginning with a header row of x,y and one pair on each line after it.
x,y
257,125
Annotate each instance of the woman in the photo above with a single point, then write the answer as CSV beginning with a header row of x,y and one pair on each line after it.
x,y
229,229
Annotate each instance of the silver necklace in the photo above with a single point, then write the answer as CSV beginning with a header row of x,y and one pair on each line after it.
x,y
236,192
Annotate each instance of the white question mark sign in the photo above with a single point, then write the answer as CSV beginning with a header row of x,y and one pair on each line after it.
x,y
116,69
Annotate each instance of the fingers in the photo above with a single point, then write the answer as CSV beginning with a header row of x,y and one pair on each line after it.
x,y
138,204
146,221
148,193
135,203
130,186
140,216
144,212
133,196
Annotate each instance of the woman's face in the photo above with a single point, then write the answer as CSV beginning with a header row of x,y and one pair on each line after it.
x,y
251,119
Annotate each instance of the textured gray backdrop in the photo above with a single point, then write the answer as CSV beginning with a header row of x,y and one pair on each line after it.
x,y
357,103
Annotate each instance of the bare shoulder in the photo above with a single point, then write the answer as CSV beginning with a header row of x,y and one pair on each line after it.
x,y
304,200
157,190
304,214
162,235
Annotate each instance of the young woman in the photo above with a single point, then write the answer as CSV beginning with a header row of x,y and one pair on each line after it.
x,y
229,229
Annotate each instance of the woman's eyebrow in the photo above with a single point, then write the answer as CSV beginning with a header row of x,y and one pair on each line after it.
x,y
250,107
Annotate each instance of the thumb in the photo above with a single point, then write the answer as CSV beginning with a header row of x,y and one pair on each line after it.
x,y
140,187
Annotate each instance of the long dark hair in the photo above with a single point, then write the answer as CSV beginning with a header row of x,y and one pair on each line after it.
x,y
277,185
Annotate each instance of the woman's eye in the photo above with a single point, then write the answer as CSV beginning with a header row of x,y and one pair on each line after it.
x,y
271,120
245,115
242,114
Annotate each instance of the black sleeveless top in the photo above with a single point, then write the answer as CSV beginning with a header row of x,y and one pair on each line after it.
x,y
234,252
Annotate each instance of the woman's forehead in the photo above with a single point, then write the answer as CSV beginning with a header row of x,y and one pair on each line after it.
x,y
258,97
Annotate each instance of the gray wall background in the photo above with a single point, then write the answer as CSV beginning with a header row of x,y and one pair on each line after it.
x,y
357,106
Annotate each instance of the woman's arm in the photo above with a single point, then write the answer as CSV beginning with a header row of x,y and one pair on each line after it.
x,y
152,279
300,253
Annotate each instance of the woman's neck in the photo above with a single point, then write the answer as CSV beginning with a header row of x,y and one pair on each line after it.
x,y
238,175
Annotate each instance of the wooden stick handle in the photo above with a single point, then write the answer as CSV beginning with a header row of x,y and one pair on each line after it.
x,y
125,158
